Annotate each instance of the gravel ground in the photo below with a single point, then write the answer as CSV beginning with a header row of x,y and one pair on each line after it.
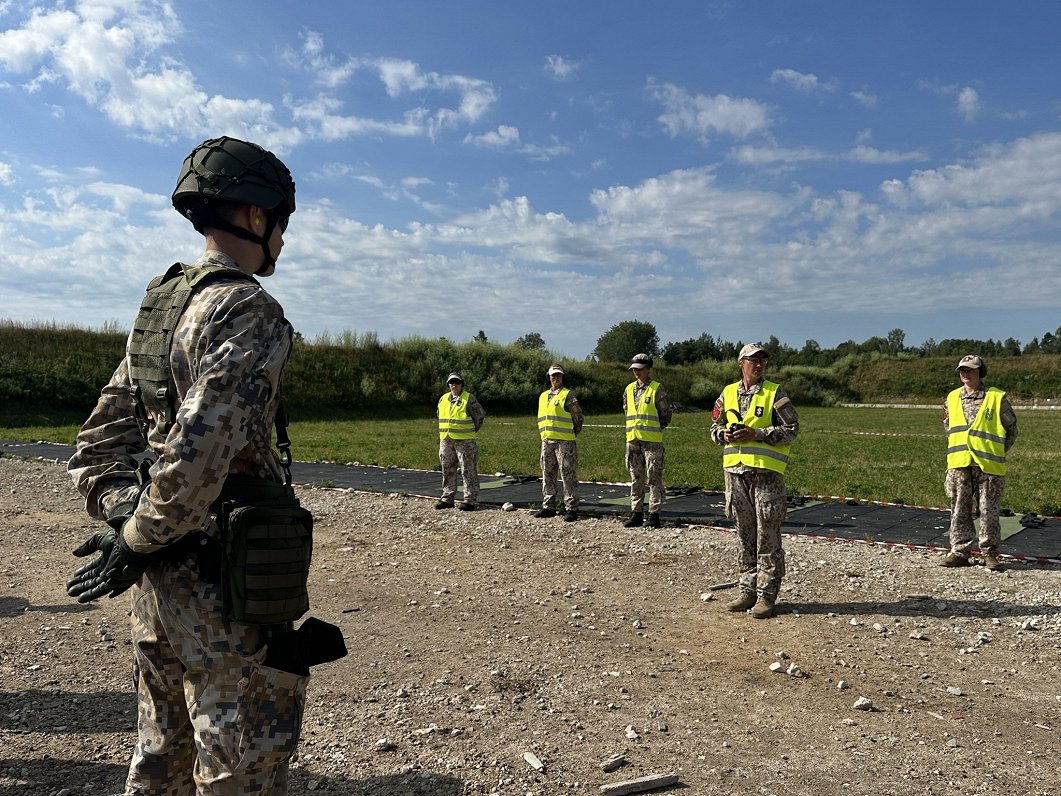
x,y
476,638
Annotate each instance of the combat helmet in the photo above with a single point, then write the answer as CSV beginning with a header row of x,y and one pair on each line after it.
x,y
226,171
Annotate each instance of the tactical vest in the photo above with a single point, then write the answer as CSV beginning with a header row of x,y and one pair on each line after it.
x,y
983,441
554,421
642,419
760,415
152,336
453,419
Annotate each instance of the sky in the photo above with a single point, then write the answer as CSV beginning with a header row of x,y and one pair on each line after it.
x,y
822,171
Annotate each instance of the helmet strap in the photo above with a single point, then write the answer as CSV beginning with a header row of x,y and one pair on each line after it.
x,y
272,218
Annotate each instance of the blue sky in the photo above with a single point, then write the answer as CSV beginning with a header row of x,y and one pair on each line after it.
x,y
812,170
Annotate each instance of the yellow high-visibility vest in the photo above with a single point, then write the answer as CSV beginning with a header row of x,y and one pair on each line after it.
x,y
760,415
642,419
554,421
983,441
453,419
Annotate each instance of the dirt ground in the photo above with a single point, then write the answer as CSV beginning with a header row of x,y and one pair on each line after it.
x,y
477,637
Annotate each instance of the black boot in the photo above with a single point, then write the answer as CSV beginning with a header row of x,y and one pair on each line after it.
x,y
653,520
637,519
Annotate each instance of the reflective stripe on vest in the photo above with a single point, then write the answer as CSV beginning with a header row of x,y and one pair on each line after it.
x,y
554,421
983,441
756,453
642,420
453,419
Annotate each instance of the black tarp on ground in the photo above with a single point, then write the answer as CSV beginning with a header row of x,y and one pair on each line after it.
x,y
869,522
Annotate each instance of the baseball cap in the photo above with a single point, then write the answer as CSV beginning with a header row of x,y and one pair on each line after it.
x,y
454,377
751,350
970,361
554,369
640,361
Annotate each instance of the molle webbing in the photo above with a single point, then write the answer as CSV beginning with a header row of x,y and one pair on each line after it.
x,y
152,334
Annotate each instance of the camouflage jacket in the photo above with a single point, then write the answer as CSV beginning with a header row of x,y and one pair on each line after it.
x,y
228,355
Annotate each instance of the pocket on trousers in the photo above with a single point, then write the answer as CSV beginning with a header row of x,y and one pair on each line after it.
x,y
271,703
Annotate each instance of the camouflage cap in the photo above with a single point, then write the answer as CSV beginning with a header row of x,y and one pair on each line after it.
x,y
640,361
751,350
972,361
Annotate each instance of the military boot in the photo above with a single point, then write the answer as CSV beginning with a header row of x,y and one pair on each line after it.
x,y
637,519
955,560
653,520
570,516
742,603
545,513
992,563
763,609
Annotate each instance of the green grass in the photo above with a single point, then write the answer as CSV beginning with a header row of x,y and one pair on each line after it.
x,y
837,453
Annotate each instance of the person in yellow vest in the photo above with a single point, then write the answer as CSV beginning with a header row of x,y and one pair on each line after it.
x,y
755,422
459,419
981,426
559,421
648,412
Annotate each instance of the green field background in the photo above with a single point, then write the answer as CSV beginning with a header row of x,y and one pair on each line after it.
x,y
893,455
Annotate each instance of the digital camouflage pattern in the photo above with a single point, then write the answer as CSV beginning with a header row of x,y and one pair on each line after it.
x,y
462,454
210,714
213,718
967,486
645,460
756,498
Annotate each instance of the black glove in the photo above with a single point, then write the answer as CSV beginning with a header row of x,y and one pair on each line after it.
x,y
116,569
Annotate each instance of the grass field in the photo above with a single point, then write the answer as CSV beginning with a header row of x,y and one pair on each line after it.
x,y
893,455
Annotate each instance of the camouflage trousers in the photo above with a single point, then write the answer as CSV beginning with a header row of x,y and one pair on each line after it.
x,y
757,501
963,486
212,718
644,460
465,453
559,456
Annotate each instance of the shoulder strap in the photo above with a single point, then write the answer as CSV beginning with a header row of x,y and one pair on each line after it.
x,y
152,337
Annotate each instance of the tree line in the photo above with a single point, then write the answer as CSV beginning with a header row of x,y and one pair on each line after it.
x,y
629,337
49,372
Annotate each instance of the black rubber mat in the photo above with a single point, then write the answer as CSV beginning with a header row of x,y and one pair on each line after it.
x,y
868,522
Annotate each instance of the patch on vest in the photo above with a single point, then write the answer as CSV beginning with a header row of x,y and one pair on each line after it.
x,y
989,413
758,411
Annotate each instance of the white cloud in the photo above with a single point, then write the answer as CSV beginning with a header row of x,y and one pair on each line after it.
x,y
865,98
506,137
800,81
702,117
968,103
684,236
114,55
560,68
765,155
868,154
7,174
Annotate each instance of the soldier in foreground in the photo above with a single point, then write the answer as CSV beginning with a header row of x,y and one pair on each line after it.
x,y
221,681
981,427
460,417
648,412
559,422
756,422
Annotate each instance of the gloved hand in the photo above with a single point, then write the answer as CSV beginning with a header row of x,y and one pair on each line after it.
x,y
115,570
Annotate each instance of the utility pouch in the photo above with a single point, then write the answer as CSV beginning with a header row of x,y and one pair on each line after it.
x,y
267,544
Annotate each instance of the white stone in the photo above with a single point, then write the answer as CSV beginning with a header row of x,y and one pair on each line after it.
x,y
863,704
